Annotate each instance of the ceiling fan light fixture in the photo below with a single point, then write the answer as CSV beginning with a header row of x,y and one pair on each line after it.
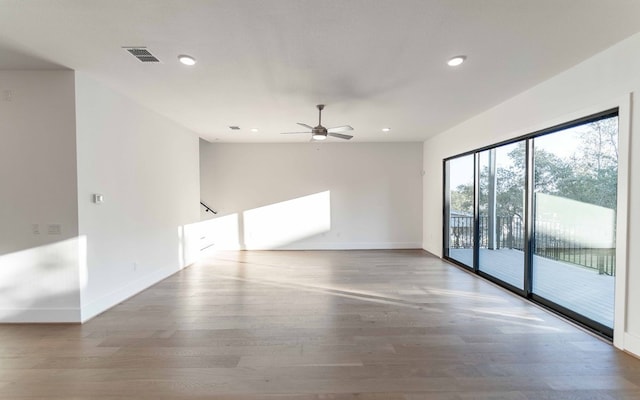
x,y
187,60
319,136
457,60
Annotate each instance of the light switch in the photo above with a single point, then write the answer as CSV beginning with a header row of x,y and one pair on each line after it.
x,y
98,198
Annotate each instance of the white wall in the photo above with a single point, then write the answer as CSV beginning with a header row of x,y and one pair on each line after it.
x,y
146,167
313,196
601,82
38,266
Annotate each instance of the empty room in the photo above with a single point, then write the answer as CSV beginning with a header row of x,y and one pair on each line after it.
x,y
295,199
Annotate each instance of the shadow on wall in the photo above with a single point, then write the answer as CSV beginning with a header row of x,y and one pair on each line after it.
x,y
42,284
263,228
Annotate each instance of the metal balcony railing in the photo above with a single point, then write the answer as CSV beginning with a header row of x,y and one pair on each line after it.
x,y
552,241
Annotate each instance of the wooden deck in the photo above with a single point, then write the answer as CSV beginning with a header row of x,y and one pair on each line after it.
x,y
579,289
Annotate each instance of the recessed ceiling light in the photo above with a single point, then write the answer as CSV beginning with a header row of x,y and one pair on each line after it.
x,y
187,60
386,129
254,129
457,60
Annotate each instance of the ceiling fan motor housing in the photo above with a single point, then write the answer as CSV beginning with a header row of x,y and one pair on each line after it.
x,y
319,130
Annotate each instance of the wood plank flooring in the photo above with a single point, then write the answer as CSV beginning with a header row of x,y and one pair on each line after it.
x,y
304,325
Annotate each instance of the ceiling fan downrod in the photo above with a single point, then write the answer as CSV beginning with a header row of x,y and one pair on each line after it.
x,y
320,108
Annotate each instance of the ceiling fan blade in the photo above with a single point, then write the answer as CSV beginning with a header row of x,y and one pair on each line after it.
x,y
305,125
293,133
337,129
339,135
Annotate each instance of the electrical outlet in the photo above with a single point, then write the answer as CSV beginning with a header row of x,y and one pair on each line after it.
x,y
54,229
135,266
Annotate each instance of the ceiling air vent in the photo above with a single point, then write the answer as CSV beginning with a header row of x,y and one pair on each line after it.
x,y
234,128
142,54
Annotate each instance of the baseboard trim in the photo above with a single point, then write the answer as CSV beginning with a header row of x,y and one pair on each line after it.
x,y
116,297
632,344
40,315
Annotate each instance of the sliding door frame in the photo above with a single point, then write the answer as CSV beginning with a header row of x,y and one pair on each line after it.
x,y
529,234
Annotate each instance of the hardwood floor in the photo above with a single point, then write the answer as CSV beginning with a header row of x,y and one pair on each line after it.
x,y
304,325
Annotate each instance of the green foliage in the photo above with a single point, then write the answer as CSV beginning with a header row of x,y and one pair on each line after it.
x,y
589,175
462,199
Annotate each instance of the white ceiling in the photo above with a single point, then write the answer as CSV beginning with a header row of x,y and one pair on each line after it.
x,y
267,63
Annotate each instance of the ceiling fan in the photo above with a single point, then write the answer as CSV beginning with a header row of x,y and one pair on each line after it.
x,y
320,132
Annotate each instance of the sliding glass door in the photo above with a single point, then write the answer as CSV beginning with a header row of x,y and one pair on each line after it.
x,y
459,220
575,182
538,216
501,212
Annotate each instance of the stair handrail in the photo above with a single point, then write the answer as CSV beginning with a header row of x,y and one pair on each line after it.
x,y
207,208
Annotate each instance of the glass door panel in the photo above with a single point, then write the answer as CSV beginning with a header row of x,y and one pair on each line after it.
x,y
575,186
501,213
459,209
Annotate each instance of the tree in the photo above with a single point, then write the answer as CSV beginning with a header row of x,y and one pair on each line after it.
x,y
461,199
595,165
589,175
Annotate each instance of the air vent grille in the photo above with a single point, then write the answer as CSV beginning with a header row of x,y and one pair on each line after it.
x,y
234,128
142,54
